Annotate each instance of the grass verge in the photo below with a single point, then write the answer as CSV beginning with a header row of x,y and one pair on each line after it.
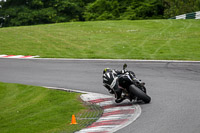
x,y
31,109
139,39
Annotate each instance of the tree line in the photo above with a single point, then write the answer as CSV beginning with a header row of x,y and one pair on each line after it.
x,y
32,12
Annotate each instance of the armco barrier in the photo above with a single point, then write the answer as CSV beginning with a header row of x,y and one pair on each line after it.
x,y
192,15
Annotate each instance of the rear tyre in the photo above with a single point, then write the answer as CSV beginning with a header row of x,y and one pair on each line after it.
x,y
135,91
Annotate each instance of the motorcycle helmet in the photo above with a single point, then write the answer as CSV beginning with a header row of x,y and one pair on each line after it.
x,y
107,70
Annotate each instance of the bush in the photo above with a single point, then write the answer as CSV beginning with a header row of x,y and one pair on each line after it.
x,y
123,9
102,10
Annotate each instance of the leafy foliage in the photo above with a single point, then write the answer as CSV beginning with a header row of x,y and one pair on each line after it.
x,y
31,12
177,7
123,9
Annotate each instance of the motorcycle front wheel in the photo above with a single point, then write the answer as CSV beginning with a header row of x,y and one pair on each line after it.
x,y
135,91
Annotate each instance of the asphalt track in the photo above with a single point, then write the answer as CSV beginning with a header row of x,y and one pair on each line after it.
x,y
174,87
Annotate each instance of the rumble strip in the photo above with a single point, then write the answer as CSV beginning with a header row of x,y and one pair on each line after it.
x,y
18,56
115,116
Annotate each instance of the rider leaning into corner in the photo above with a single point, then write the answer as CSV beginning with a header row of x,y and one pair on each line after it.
x,y
111,79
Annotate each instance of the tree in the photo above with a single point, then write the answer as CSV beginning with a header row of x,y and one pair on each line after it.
x,y
29,12
124,9
102,10
177,7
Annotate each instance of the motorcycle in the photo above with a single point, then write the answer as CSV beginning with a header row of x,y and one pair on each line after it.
x,y
132,88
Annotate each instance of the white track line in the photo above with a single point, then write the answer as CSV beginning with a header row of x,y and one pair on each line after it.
x,y
120,60
112,60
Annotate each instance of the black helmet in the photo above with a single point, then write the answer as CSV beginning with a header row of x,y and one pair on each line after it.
x,y
107,70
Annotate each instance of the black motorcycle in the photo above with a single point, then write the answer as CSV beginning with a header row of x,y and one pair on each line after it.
x,y
132,88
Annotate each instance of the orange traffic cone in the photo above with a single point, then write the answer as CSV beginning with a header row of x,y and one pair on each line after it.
x,y
73,120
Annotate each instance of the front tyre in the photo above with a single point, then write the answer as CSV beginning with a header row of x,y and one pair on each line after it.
x,y
135,91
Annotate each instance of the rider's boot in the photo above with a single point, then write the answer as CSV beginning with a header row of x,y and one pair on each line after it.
x,y
119,98
122,98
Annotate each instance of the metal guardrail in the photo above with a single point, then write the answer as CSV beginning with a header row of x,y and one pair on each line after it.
x,y
192,15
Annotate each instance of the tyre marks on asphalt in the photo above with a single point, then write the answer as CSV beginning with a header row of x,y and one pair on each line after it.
x,y
115,116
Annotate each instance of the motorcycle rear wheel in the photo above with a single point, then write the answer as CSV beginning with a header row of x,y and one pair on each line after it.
x,y
135,91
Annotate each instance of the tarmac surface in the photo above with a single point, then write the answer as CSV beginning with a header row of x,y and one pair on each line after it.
x,y
173,87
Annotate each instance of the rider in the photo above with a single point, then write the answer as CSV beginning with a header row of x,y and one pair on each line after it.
x,y
111,82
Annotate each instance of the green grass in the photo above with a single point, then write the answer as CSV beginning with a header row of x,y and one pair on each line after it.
x,y
30,109
139,39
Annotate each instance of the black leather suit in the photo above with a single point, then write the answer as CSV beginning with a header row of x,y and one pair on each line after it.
x,y
111,81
